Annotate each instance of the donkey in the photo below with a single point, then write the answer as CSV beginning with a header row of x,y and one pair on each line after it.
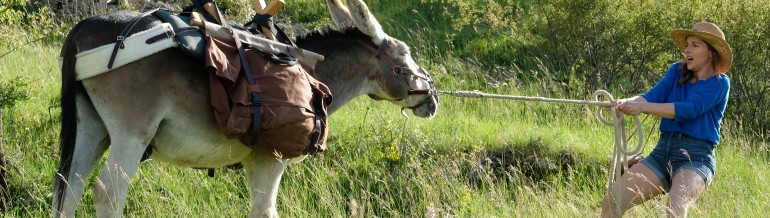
x,y
162,103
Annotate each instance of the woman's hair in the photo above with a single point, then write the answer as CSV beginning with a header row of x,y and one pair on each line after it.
x,y
688,74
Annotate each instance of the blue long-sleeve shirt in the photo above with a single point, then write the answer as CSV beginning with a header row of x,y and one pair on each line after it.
x,y
698,107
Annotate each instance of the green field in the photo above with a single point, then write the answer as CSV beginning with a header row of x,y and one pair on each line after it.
x,y
477,158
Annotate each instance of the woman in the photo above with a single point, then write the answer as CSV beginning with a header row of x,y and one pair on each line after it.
x,y
691,100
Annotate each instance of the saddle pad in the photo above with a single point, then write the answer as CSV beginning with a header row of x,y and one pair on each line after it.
x,y
94,61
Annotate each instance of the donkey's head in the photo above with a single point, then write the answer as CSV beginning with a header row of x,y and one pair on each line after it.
x,y
395,76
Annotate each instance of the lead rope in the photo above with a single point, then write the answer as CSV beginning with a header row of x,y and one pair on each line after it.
x,y
620,151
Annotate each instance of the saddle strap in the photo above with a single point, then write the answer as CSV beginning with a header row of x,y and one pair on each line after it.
x,y
169,34
122,36
254,90
318,130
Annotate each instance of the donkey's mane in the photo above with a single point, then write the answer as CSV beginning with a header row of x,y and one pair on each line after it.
x,y
329,33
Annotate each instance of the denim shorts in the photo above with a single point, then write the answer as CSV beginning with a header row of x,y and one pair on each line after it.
x,y
676,151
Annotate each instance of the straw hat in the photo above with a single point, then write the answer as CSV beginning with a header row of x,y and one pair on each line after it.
x,y
714,36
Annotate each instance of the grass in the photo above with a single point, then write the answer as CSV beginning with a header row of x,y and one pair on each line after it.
x,y
477,158
381,164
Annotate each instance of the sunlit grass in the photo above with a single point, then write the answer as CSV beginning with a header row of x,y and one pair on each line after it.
x,y
387,164
382,164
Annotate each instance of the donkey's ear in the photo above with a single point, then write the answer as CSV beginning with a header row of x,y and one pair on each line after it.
x,y
340,14
365,21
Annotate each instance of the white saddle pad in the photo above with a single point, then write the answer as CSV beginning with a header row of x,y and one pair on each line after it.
x,y
94,61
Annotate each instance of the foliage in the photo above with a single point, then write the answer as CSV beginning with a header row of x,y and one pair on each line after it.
x,y
747,25
23,23
237,10
487,158
13,91
574,47
310,14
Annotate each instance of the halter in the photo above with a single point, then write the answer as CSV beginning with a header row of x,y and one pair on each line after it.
x,y
400,71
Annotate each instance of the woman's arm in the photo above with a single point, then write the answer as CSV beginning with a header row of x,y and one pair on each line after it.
x,y
638,104
637,98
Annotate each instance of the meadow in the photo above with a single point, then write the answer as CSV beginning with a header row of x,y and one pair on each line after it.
x,y
477,158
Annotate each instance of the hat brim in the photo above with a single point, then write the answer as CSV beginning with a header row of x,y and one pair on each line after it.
x,y
720,45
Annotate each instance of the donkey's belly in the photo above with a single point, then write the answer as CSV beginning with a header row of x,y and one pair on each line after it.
x,y
196,142
195,148
174,99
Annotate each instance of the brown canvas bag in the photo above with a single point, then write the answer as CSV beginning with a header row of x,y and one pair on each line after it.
x,y
293,109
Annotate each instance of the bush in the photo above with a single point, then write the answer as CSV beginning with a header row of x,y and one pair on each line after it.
x,y
567,47
13,91
22,22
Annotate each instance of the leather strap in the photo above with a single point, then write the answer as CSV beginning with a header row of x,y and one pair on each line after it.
x,y
254,90
379,52
418,92
318,112
169,34
122,36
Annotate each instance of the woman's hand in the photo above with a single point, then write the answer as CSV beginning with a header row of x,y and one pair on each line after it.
x,y
631,107
620,102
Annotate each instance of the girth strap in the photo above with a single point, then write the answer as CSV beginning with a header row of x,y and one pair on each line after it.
x,y
124,34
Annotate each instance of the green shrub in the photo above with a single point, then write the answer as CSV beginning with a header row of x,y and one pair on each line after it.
x,y
578,46
13,91
569,48
22,22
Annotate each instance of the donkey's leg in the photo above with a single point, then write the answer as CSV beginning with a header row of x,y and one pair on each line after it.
x,y
264,174
129,139
91,143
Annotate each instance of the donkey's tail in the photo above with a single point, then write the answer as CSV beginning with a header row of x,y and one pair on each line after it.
x,y
70,86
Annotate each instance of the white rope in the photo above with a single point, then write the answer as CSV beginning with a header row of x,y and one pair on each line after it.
x,y
478,94
620,151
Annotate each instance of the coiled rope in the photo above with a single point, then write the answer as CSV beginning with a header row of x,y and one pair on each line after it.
x,y
621,150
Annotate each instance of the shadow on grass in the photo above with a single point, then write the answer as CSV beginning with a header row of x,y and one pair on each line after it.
x,y
532,162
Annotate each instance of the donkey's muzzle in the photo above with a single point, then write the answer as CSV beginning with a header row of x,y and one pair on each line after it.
x,y
427,108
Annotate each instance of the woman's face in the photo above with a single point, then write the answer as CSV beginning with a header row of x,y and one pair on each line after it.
x,y
698,54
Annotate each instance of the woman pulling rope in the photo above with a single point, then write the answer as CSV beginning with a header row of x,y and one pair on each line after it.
x,y
691,99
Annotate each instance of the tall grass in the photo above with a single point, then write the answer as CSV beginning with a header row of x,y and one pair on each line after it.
x,y
381,164
477,158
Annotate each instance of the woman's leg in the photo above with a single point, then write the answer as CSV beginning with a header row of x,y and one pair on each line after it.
x,y
686,187
639,185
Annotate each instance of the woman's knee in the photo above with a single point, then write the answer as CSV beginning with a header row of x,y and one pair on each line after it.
x,y
637,186
686,187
